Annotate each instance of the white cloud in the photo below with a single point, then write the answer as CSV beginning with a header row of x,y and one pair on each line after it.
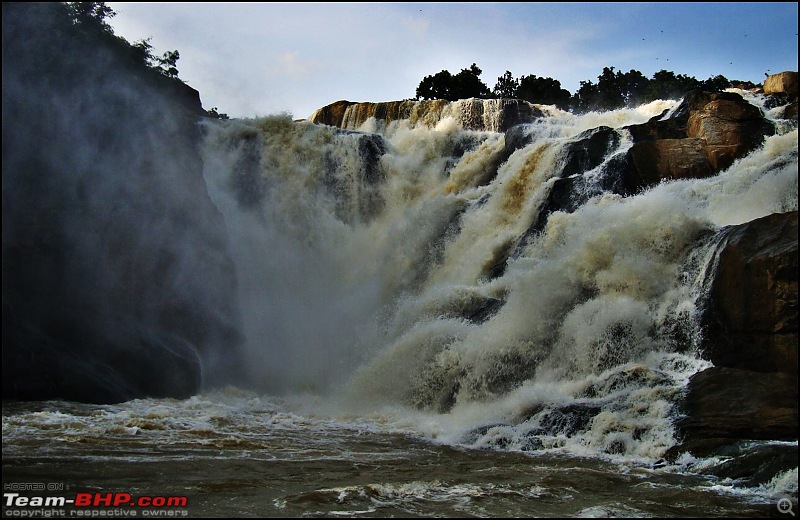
x,y
417,26
292,65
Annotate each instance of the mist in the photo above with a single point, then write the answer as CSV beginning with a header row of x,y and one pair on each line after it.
x,y
117,282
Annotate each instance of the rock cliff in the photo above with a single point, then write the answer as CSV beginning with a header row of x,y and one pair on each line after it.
x,y
117,282
751,337
495,115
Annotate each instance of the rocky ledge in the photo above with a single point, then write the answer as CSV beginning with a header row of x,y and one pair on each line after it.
x,y
751,337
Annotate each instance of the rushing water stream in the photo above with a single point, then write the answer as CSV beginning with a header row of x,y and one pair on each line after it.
x,y
233,453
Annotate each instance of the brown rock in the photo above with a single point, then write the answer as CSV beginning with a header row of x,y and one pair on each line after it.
x,y
724,405
730,129
705,134
495,115
790,112
781,82
751,321
332,114
751,337
670,159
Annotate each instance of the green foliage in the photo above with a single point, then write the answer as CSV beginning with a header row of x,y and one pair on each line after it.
x,y
90,21
91,16
506,86
544,91
718,82
167,63
443,85
585,97
614,89
214,114
633,87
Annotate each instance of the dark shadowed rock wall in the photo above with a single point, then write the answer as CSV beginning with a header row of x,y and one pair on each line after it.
x,y
117,282
751,337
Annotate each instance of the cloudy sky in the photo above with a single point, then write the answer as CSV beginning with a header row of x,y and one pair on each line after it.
x,y
255,59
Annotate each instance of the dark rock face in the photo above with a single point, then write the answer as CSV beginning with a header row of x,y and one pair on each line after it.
x,y
724,405
38,364
358,198
117,282
781,90
752,318
753,466
751,337
706,133
668,159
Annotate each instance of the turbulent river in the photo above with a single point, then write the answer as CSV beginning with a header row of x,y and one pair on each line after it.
x,y
239,454
425,336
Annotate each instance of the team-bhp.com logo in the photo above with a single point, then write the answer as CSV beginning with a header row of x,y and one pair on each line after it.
x,y
93,504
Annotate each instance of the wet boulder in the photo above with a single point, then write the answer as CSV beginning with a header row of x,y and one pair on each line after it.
x,y
702,137
729,129
750,334
751,320
726,405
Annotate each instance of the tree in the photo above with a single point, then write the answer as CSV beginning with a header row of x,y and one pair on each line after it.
x,y
506,86
633,85
718,82
89,18
663,86
667,85
91,15
609,91
215,114
545,91
167,63
436,87
586,97
466,84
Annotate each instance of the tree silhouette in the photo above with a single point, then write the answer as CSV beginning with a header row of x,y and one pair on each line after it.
x,y
506,86
91,16
545,91
466,84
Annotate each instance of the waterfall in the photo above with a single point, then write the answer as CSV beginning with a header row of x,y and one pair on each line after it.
x,y
503,280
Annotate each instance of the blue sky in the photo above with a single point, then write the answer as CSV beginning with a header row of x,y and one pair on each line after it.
x,y
255,59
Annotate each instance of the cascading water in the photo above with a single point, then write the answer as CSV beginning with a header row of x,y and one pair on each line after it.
x,y
442,321
427,267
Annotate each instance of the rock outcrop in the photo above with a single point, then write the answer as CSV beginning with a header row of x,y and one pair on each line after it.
x,y
781,83
117,281
707,132
495,115
726,405
781,91
751,322
751,337
701,138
